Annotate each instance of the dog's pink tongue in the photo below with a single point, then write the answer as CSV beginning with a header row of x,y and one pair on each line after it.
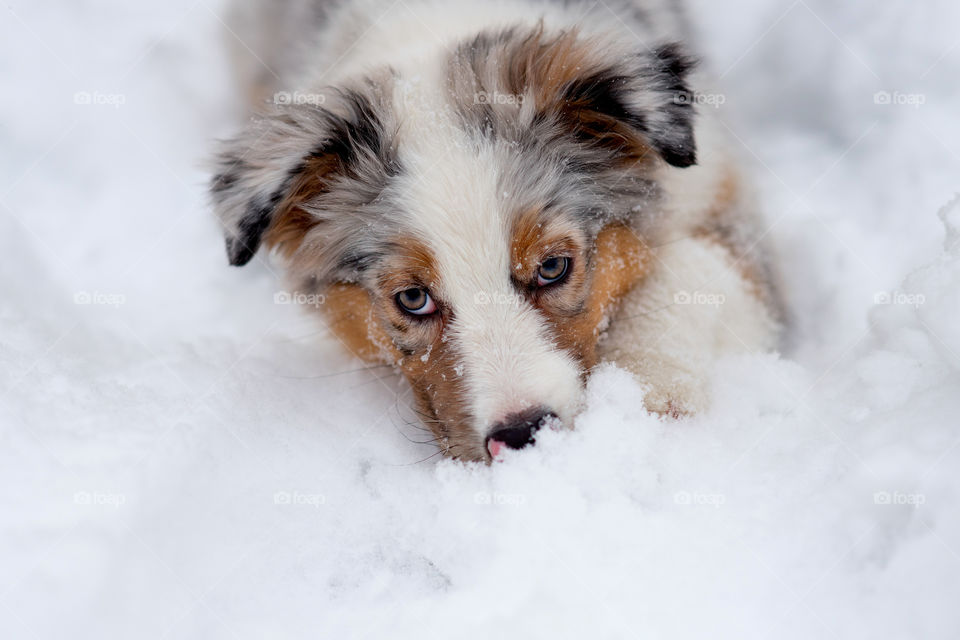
x,y
495,447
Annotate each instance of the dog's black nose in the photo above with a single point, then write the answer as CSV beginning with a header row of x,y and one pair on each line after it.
x,y
517,430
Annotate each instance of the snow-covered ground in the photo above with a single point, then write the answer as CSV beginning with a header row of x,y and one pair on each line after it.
x,y
180,456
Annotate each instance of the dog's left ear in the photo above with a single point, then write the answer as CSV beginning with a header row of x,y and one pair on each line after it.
x,y
628,103
650,95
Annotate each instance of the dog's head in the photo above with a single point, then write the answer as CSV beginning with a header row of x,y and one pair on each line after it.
x,y
469,221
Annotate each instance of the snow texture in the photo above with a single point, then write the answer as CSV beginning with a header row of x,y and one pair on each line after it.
x,y
182,454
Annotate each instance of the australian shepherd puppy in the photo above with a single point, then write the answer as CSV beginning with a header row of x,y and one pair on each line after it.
x,y
495,196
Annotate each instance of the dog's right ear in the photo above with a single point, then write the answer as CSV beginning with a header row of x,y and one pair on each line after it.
x,y
271,179
256,172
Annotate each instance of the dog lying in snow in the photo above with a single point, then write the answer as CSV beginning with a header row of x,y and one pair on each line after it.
x,y
495,196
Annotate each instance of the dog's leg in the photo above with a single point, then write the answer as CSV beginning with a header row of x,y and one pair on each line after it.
x,y
697,303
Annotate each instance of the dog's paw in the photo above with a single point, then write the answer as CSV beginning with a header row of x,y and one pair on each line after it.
x,y
677,397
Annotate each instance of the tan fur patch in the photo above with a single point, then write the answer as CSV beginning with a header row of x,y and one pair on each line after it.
x,y
363,321
547,65
723,220
291,223
535,238
579,308
350,316
619,262
442,399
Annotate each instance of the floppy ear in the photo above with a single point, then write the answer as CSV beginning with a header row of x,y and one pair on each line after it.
x,y
649,96
274,180
256,171
628,103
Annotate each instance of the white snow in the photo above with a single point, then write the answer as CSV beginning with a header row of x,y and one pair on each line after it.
x,y
180,456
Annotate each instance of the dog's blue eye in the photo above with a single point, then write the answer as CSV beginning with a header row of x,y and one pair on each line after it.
x,y
552,270
416,300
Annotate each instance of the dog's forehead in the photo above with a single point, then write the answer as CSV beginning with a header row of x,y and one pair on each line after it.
x,y
452,189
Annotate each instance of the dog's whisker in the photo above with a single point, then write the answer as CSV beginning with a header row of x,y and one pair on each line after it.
x,y
377,379
670,242
424,417
412,423
647,313
334,375
422,460
310,336
408,438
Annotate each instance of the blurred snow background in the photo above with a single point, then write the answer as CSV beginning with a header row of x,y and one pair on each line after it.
x,y
182,457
